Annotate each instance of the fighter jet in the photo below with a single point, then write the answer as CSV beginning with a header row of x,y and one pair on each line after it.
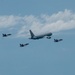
x,y
22,45
40,36
57,40
5,35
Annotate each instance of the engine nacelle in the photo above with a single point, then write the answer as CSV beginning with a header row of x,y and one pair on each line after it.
x,y
48,37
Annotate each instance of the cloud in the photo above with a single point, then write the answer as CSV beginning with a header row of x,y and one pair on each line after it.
x,y
63,20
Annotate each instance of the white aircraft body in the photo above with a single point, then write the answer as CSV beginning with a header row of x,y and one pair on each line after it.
x,y
34,37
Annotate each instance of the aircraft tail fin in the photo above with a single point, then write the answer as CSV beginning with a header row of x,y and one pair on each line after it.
x,y
31,33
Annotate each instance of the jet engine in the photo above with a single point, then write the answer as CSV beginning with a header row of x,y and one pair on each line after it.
x,y
48,37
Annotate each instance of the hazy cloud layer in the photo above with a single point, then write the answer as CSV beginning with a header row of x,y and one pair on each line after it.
x,y
63,20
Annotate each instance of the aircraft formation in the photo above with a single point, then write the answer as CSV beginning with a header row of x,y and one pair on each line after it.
x,y
34,37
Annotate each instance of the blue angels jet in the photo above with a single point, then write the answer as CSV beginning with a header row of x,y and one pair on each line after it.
x,y
35,37
22,45
57,40
5,35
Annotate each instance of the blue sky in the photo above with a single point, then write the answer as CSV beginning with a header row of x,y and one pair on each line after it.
x,y
40,57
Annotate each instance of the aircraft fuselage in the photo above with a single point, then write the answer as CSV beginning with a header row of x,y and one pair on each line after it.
x,y
41,36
